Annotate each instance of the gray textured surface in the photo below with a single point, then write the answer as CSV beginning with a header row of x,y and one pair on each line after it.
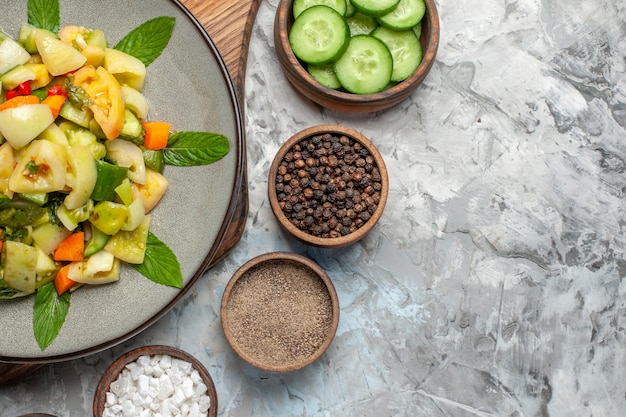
x,y
494,284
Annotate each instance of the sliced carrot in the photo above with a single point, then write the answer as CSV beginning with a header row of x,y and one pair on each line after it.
x,y
19,101
55,102
156,135
62,281
71,249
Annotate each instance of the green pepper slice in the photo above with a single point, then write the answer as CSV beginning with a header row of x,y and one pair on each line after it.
x,y
109,177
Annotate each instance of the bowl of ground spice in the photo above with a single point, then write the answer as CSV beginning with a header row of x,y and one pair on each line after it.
x,y
155,380
280,311
328,186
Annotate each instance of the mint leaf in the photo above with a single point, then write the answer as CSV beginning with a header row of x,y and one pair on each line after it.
x,y
195,148
49,314
147,41
160,264
44,14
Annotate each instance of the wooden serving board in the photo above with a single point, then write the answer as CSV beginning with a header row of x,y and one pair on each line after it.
x,y
229,24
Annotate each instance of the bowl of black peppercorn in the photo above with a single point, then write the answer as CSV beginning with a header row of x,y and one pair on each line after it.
x,y
328,186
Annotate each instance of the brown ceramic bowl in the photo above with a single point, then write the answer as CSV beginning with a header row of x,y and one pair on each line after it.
x,y
302,81
280,312
114,370
307,229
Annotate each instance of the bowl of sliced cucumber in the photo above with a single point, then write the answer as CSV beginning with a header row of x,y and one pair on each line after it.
x,y
356,56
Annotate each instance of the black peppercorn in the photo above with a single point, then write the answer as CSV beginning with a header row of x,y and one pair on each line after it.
x,y
328,185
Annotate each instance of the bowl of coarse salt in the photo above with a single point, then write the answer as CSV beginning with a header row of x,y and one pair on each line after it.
x,y
155,380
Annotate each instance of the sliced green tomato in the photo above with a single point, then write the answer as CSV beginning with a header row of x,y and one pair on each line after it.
x,y
60,58
107,102
108,216
41,169
54,134
408,14
99,268
22,124
361,24
151,191
128,155
11,54
325,75
130,246
319,35
132,128
6,168
366,66
46,268
136,214
72,218
81,176
28,37
48,236
301,5
125,68
19,262
405,49
135,101
375,7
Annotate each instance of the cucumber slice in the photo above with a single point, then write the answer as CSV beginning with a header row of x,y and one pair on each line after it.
x,y
405,49
408,14
325,75
350,10
319,35
418,30
375,7
301,5
366,65
361,24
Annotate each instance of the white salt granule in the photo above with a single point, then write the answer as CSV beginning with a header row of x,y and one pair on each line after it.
x,y
158,386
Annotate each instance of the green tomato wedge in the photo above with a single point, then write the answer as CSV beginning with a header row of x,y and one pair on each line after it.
x,y
108,216
130,246
319,35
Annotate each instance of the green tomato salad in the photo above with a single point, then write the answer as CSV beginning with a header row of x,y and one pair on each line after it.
x,y
81,166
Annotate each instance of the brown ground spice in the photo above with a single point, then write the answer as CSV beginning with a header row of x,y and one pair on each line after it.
x,y
279,313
